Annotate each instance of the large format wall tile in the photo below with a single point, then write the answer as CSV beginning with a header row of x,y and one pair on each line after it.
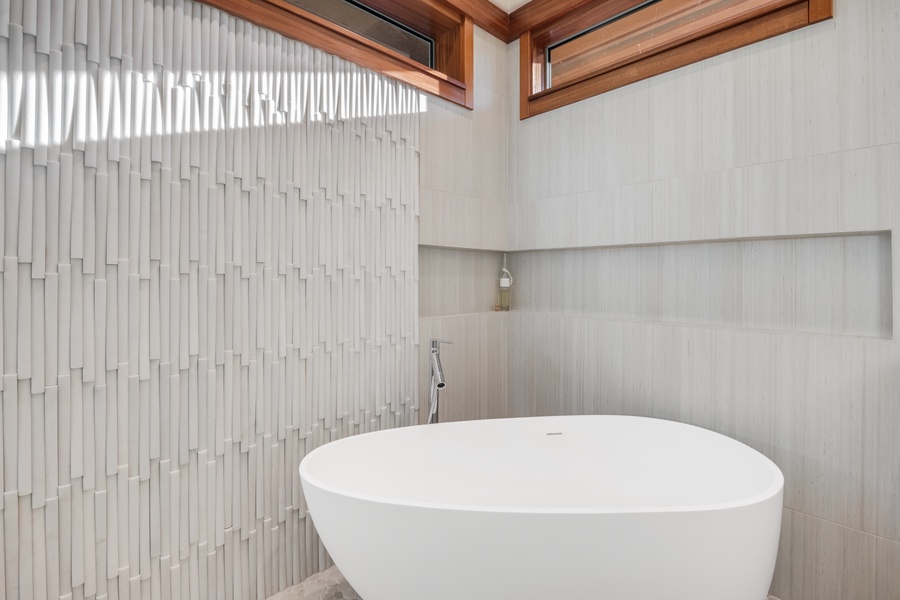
x,y
846,191
457,293
475,365
841,562
209,251
822,407
462,225
464,157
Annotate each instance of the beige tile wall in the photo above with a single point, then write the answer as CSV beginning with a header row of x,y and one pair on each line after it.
x,y
457,290
463,164
794,136
475,365
839,562
823,407
462,225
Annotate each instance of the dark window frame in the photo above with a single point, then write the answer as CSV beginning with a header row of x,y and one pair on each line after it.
x,y
352,10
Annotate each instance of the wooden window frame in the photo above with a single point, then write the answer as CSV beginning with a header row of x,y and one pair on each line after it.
x,y
452,78
540,25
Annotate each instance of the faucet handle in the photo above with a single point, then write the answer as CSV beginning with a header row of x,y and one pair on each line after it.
x,y
436,344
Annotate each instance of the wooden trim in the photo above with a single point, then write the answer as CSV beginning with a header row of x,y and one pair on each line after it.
x,y
538,13
657,39
426,16
447,54
574,22
820,10
773,24
456,56
467,58
525,75
486,15
295,23
335,45
436,17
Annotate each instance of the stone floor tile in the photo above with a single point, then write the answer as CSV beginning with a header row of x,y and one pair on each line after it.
x,y
330,585
327,585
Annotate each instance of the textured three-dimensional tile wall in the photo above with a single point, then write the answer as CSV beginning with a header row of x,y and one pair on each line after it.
x,y
209,268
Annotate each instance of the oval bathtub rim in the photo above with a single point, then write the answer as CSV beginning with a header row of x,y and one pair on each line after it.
x,y
775,489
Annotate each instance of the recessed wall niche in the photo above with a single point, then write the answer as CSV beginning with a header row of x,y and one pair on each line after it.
x,y
838,284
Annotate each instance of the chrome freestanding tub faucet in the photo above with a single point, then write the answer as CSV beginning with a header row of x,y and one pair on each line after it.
x,y
437,379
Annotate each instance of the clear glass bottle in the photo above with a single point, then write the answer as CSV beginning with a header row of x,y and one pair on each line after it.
x,y
505,283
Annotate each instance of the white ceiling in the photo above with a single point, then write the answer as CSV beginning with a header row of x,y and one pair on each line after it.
x,y
509,5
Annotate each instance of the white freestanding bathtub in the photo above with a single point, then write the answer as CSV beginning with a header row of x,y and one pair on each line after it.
x,y
605,507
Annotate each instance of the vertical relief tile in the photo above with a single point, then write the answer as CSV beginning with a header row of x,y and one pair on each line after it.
x,y
10,434
51,440
52,535
24,321
25,446
92,333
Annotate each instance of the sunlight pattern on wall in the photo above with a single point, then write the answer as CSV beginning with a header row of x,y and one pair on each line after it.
x,y
209,256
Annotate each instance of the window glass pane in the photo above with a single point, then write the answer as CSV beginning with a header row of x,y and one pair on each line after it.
x,y
374,26
649,28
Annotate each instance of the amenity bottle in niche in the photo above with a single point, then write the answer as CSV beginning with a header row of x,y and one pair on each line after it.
x,y
506,281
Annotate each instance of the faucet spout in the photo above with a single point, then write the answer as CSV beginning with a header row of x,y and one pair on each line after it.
x,y
437,371
437,379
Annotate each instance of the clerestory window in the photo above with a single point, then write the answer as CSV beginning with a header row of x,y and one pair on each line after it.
x,y
374,25
425,43
606,44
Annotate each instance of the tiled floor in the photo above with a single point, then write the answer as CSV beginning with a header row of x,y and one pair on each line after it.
x,y
329,585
